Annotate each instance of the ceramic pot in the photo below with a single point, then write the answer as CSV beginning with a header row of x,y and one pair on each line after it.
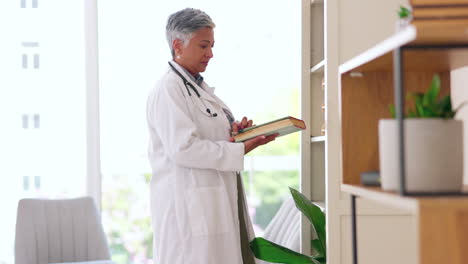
x,y
433,154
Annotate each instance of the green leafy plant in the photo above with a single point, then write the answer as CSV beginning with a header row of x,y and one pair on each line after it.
x,y
404,12
271,252
428,105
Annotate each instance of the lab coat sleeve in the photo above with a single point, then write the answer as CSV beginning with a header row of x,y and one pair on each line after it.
x,y
172,121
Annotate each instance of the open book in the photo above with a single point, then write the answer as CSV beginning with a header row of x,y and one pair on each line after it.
x,y
282,126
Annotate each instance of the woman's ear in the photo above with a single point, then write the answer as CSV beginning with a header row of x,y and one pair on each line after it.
x,y
177,45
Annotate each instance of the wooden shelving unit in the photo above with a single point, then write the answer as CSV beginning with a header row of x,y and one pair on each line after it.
x,y
317,139
313,140
441,222
318,68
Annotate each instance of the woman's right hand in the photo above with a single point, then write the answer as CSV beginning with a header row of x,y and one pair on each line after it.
x,y
251,144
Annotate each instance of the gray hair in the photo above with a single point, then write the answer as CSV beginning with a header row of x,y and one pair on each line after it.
x,y
183,23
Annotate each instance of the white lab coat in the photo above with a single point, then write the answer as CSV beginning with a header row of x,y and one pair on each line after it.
x,y
193,188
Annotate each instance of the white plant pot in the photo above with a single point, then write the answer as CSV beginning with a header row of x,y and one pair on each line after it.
x,y
433,155
402,23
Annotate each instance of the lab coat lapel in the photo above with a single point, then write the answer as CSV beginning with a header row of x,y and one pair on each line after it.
x,y
201,90
210,96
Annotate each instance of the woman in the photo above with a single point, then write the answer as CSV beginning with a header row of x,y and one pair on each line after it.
x,y
198,204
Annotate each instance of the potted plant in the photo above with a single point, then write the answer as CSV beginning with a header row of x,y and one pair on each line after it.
x,y
404,18
433,145
271,252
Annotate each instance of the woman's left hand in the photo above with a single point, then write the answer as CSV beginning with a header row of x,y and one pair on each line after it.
x,y
237,126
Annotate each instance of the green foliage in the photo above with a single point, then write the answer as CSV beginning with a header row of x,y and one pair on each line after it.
x,y
269,251
266,189
404,12
126,219
428,105
316,218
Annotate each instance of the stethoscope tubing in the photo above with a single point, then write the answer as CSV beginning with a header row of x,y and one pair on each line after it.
x,y
187,85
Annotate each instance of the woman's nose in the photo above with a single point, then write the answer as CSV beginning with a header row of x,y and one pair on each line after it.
x,y
209,53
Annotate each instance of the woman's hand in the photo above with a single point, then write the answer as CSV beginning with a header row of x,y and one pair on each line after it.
x,y
236,126
250,144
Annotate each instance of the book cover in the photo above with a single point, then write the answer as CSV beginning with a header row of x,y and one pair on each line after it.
x,y
282,126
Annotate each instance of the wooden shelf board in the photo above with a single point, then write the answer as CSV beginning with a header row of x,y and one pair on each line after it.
x,y
422,32
441,31
317,139
406,203
318,68
417,3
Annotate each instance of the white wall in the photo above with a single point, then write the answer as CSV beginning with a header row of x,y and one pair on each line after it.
x,y
459,94
364,23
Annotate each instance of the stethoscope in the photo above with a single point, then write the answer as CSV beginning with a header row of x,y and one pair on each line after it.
x,y
187,85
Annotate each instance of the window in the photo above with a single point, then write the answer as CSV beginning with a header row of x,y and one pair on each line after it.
x,y
42,106
29,3
30,50
255,57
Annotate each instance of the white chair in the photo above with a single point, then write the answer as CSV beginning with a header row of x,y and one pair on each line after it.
x,y
55,231
284,228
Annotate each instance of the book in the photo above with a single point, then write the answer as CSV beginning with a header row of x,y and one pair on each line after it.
x,y
282,126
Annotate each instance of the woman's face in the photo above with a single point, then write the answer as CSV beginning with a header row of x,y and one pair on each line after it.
x,y
195,56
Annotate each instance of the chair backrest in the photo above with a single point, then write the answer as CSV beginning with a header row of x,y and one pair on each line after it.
x,y
284,228
54,231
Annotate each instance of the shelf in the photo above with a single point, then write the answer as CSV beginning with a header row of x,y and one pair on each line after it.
x,y
440,222
318,68
366,59
317,139
431,33
418,3
320,204
412,204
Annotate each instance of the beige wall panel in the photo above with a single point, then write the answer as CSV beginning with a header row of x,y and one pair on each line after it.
x,y
459,93
317,33
316,102
381,239
318,171
364,23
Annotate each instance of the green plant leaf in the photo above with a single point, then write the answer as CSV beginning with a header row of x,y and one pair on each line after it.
x,y
317,247
430,97
391,108
313,213
271,252
411,114
445,105
427,104
403,12
418,101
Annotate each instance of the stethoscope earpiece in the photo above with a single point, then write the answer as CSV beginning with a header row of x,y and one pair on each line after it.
x,y
188,84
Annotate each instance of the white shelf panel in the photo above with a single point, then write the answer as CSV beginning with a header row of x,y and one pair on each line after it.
x,y
317,139
318,68
320,204
399,39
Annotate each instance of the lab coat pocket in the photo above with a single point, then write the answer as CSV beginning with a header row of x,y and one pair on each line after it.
x,y
208,211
